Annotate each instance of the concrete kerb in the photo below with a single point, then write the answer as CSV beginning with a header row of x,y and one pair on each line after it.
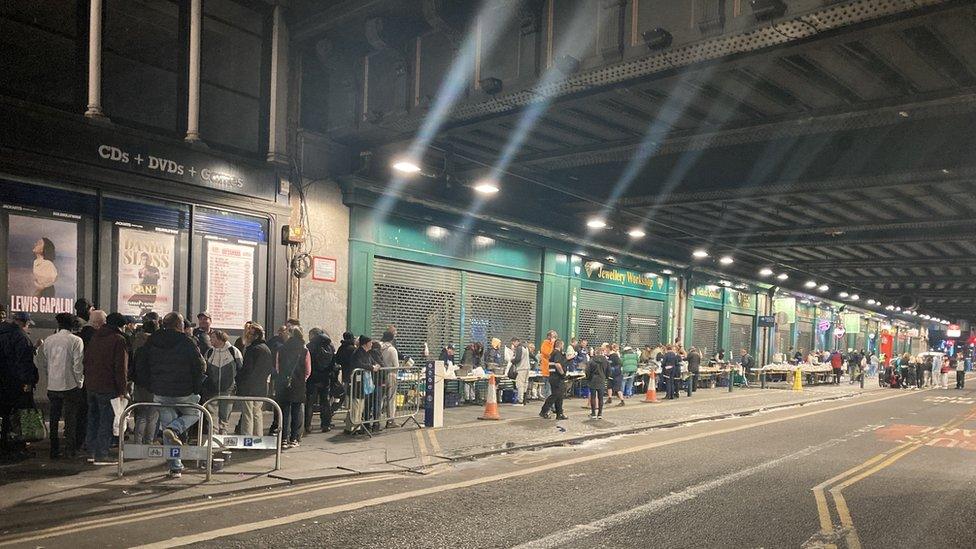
x,y
641,428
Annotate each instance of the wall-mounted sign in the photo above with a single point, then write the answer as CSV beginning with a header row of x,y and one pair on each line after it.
x,y
767,321
839,332
230,283
787,306
710,292
42,263
823,325
742,300
145,271
598,272
324,269
852,323
953,330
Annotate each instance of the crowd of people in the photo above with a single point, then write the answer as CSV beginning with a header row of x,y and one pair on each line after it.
x,y
96,363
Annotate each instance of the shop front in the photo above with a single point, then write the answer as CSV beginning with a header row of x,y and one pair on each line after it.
x,y
805,318
706,319
784,309
135,223
618,305
741,311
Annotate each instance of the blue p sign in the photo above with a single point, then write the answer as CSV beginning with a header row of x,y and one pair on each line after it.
x,y
174,452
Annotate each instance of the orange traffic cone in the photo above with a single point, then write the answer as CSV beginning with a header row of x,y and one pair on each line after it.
x,y
651,395
491,400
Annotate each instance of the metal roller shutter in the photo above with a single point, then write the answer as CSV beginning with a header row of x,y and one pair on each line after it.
x,y
704,333
643,319
599,317
423,302
740,333
784,334
498,307
804,338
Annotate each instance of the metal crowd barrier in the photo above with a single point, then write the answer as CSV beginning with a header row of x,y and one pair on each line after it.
x,y
397,395
152,451
246,442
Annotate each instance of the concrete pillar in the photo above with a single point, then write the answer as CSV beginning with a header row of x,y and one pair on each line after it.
x,y
193,105
95,60
278,108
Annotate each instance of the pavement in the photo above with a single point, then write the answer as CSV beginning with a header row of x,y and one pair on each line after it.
x,y
41,492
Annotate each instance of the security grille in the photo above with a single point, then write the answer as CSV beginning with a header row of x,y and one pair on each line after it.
x,y
423,302
804,338
643,321
704,333
498,307
784,341
599,317
740,333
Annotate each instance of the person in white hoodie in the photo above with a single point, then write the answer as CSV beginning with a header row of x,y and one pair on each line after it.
x,y
391,360
521,363
223,362
60,358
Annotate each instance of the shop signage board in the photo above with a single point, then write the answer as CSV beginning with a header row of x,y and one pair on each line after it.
x,y
953,330
598,272
42,261
767,321
786,305
230,283
125,150
742,300
145,270
852,323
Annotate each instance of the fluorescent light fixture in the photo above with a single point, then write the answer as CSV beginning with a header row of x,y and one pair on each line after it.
x,y
765,271
855,297
596,223
650,275
890,308
782,276
823,288
700,254
810,283
405,165
486,186
637,233
611,259
667,271
726,260
872,302
844,295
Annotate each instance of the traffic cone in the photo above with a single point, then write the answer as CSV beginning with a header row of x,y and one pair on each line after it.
x,y
798,381
651,395
491,400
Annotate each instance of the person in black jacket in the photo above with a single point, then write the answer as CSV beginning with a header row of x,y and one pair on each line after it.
x,y
173,369
361,359
18,375
293,366
597,370
252,380
557,373
319,387
694,367
671,368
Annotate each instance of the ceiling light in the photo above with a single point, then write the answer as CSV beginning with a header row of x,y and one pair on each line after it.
x,y
844,295
903,114
667,271
486,187
406,166
810,283
765,271
805,301
650,275
890,308
898,309
782,276
596,223
637,233
823,288
726,260
871,302
611,259
700,254
855,297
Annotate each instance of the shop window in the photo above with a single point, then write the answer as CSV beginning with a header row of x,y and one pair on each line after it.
x,y
46,251
233,57
143,64
704,333
229,276
40,56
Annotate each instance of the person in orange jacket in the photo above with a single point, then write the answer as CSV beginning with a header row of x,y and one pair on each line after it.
x,y
545,350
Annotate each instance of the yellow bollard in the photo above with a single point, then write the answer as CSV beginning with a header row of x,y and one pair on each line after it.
x,y
798,380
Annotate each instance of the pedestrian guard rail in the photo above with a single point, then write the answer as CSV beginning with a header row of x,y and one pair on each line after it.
x,y
385,394
244,442
201,452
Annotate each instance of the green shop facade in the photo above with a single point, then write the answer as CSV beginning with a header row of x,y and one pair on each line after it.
x,y
442,286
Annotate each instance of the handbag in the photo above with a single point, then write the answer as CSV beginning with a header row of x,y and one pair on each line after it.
x,y
31,425
512,372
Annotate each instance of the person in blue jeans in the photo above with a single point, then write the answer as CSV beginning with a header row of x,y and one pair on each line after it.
x,y
106,365
173,369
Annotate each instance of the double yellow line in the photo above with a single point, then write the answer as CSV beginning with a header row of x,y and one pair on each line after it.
x,y
856,474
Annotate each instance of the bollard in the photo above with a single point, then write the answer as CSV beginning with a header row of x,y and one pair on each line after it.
x,y
862,379
690,384
731,378
762,379
798,380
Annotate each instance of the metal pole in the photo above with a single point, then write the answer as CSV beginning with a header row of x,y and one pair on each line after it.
x,y
193,89
95,60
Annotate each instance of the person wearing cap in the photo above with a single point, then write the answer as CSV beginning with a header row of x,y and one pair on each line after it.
x,y
18,375
201,334
106,377
60,358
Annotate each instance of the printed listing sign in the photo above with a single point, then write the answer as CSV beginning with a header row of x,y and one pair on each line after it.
x,y
230,284
146,260
42,264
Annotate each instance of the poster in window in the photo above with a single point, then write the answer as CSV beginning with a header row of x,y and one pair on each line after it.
x,y
146,264
230,284
42,264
